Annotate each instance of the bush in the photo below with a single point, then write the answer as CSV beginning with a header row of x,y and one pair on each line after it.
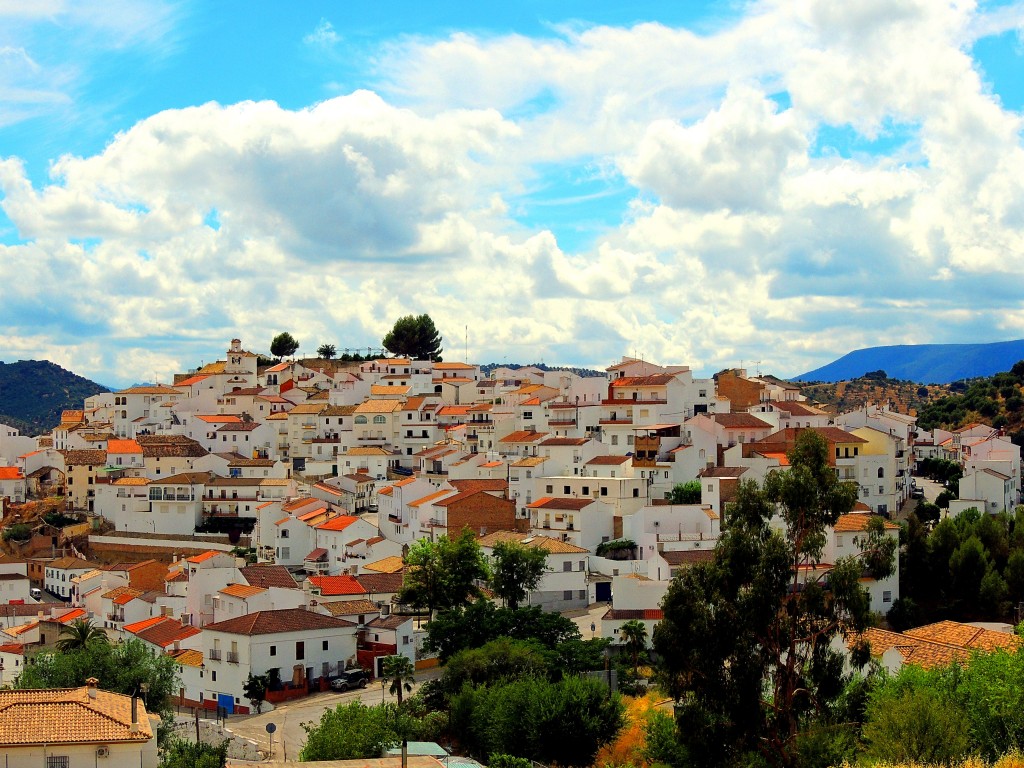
x,y
17,532
915,725
186,754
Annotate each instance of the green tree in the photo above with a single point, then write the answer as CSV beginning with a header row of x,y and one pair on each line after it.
x,y
284,345
499,660
188,754
516,570
685,493
474,625
415,337
255,690
353,732
326,351
508,761
634,639
399,670
81,633
916,725
745,644
443,574
562,722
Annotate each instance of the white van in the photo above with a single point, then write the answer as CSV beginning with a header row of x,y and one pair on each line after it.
x,y
36,593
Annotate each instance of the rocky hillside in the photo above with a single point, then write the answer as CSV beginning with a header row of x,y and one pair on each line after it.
x,y
876,387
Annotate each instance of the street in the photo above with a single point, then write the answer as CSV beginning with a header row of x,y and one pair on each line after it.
x,y
289,717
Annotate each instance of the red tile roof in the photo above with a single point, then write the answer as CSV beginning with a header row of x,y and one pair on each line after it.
x,y
337,585
274,622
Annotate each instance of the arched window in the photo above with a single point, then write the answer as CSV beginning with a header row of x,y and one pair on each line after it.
x,y
360,419
379,419
881,472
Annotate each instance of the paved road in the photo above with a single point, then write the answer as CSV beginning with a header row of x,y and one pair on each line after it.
x,y
289,717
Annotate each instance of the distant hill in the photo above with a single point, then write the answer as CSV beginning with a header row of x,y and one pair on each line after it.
x,y
581,372
923,363
34,392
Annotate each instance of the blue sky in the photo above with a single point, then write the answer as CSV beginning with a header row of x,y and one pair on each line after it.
x,y
700,183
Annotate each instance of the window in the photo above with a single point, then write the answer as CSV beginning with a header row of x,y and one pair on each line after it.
x,y
273,650
583,564
629,439
379,419
881,472
604,490
300,650
549,489
881,489
214,676
567,566
566,490
887,596
585,490
361,420
615,439
567,595
286,552
324,645
636,492
527,415
58,761
284,533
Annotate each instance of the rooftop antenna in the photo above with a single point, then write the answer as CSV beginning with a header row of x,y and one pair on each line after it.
x,y
467,344
757,366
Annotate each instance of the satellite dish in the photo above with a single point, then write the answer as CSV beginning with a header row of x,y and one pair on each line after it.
x,y
271,727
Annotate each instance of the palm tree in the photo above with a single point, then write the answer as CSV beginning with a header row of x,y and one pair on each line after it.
x,y
80,634
634,638
400,671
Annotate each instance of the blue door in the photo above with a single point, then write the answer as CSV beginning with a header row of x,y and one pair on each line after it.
x,y
226,702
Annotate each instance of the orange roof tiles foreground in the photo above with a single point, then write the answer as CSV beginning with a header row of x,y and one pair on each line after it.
x,y
69,716
339,523
337,585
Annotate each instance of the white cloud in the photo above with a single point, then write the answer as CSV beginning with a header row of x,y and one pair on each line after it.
x,y
324,35
744,239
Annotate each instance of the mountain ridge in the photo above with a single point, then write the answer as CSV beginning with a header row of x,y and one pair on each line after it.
x,y
34,392
922,363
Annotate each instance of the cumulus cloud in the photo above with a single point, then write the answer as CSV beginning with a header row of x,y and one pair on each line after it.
x,y
746,235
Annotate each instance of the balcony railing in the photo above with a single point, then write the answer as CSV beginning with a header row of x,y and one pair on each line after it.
x,y
214,654
232,657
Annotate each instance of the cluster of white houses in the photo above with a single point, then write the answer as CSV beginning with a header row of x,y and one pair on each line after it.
x,y
338,468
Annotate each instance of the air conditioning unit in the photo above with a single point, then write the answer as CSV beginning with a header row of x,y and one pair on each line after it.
x,y
102,751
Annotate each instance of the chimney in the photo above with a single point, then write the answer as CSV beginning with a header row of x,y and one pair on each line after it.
x,y
135,713
91,683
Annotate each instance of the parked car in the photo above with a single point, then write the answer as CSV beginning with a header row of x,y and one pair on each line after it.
x,y
917,493
350,678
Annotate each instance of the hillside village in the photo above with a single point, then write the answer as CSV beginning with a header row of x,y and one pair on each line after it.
x,y
245,519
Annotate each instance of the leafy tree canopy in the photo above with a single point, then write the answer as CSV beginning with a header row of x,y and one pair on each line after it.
x,y
284,345
685,493
516,570
354,732
415,337
443,574
188,754
744,646
326,351
81,633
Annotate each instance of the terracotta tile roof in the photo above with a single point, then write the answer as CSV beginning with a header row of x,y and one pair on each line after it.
x,y
740,421
84,457
11,473
430,498
453,367
69,716
170,446
177,576
242,590
392,622
654,380
722,472
339,523
167,632
205,556
296,504
378,406
381,583
273,622
367,450
239,426
337,585
564,441
187,657
134,481
320,553
548,544
123,446
523,436
190,381
633,614
608,461
965,636
391,564
350,607
530,461
70,563
268,576
551,502
150,390
688,557
858,521
138,626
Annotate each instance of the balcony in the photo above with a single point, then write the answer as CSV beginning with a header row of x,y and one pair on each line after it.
x,y
562,423
615,421
232,657
214,654
631,401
